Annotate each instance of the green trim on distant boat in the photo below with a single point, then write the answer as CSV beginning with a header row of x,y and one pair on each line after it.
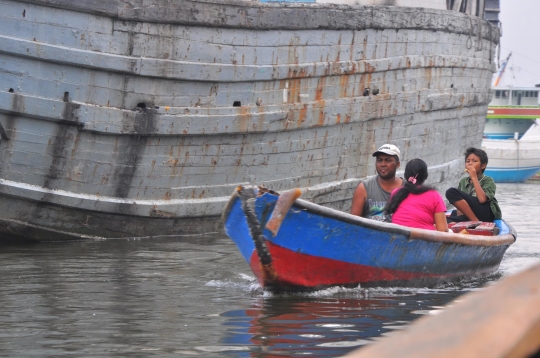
x,y
527,112
513,117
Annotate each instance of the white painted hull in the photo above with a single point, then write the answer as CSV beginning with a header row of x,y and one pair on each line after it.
x,y
513,160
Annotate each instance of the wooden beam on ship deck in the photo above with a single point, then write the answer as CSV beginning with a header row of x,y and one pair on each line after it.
x,y
502,320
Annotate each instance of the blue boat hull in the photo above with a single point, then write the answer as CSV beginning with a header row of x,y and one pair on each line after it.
x,y
317,249
511,175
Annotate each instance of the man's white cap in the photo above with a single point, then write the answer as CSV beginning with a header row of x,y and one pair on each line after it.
x,y
389,149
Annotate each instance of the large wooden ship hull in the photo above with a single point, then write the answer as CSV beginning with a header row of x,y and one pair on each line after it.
x,y
139,118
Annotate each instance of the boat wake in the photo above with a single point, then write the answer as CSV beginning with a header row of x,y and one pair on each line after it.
x,y
250,285
243,282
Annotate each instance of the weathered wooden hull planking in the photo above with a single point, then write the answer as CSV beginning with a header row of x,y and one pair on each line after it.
x,y
139,118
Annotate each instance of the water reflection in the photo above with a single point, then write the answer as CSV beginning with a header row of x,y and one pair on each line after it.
x,y
327,326
196,296
521,207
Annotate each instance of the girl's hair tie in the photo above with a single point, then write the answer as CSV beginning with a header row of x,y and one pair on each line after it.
x,y
413,179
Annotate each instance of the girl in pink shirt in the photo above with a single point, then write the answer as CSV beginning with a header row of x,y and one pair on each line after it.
x,y
416,205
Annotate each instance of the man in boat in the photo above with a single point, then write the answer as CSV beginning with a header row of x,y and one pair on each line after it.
x,y
371,195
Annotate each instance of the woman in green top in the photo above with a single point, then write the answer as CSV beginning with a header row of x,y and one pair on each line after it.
x,y
475,196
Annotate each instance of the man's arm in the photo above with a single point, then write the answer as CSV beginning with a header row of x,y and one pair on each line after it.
x,y
358,200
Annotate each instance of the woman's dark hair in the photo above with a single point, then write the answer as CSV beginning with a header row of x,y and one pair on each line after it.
x,y
479,153
416,174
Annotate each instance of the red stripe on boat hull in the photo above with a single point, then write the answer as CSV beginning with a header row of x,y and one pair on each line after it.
x,y
515,111
295,269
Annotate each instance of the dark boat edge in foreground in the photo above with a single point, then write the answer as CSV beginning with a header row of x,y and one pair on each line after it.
x,y
502,320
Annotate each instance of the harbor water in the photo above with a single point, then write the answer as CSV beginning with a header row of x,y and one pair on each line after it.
x,y
196,296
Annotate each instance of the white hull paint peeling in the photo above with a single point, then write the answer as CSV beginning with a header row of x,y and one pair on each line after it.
x,y
138,119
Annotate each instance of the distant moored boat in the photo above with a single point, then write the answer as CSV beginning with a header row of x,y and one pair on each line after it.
x,y
514,160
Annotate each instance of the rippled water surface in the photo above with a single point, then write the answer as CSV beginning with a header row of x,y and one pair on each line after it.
x,y
196,296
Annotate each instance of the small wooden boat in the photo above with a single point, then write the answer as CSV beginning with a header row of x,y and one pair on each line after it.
x,y
292,244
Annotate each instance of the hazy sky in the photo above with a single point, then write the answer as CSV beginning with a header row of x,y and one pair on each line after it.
x,y
521,36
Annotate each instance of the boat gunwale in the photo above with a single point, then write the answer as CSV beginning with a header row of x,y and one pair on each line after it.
x,y
410,233
319,19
